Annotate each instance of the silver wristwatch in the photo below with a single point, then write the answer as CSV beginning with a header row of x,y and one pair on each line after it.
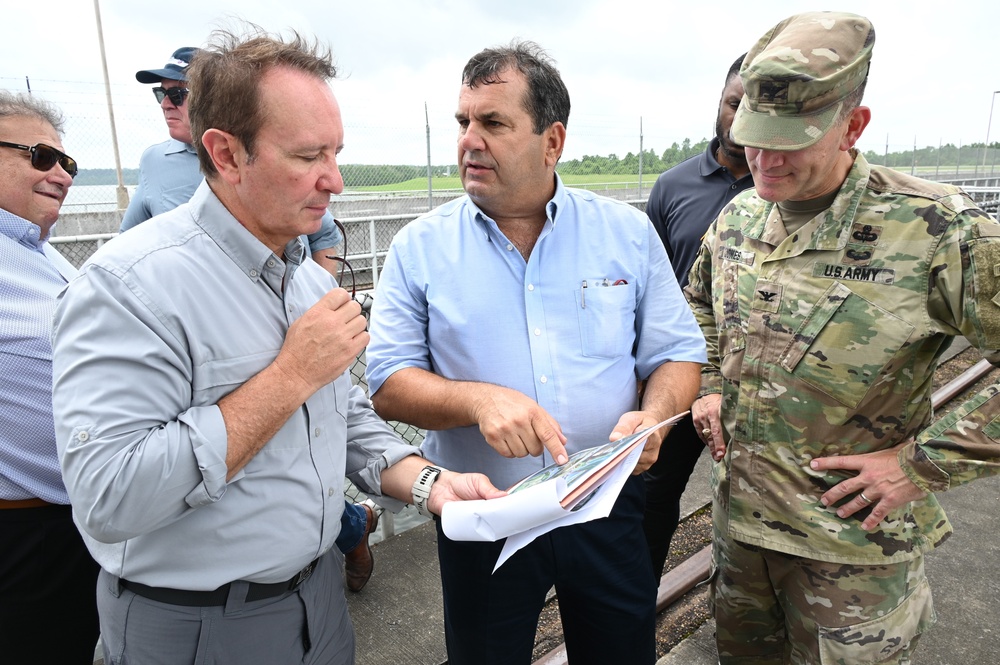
x,y
422,489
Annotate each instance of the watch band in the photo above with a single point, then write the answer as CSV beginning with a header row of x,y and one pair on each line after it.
x,y
422,489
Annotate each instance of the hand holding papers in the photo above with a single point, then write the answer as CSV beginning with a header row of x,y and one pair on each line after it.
x,y
583,489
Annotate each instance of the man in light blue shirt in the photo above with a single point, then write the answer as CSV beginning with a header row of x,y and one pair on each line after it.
x,y
168,176
521,322
47,576
204,414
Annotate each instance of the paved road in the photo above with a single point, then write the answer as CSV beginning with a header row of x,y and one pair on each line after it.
x,y
965,579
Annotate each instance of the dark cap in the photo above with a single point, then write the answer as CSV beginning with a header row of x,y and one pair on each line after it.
x,y
175,69
796,77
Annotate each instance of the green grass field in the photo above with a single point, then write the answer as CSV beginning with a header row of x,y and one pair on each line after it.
x,y
453,182
605,181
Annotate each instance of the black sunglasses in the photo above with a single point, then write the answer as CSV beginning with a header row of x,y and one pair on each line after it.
x,y
45,157
176,95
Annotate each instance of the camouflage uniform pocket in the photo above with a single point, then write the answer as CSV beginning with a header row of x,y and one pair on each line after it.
x,y
984,259
844,344
878,640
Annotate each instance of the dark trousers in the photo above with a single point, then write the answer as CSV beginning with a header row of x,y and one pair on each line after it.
x,y
48,584
665,483
601,573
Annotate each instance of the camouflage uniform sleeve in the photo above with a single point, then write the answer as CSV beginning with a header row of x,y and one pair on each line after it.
x,y
699,296
965,444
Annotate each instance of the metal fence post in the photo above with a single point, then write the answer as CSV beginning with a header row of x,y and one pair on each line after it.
x,y
374,246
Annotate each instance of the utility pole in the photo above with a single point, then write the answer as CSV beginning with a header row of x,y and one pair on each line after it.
x,y
121,191
640,156
430,184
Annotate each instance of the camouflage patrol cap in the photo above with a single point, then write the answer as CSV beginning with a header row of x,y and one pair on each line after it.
x,y
796,77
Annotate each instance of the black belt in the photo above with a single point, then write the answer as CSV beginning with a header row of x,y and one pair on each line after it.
x,y
218,596
17,504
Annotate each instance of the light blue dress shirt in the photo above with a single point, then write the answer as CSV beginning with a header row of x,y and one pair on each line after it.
x,y
168,175
32,274
162,323
595,308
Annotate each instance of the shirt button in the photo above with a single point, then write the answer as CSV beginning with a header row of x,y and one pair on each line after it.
x,y
510,247
544,379
270,263
531,287
316,432
329,492
253,273
538,331
83,437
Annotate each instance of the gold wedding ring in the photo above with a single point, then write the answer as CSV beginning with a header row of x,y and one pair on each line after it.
x,y
706,431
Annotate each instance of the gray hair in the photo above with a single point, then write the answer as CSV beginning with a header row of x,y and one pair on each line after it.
x,y
14,104
852,101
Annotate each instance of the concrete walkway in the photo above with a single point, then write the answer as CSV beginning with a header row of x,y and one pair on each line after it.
x,y
398,616
965,578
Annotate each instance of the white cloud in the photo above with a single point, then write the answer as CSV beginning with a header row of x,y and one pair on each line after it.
x,y
932,77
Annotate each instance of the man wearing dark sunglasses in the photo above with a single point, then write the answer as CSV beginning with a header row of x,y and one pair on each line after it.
x,y
47,577
168,171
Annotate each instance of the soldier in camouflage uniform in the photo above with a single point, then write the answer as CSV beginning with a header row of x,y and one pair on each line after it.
x,y
827,296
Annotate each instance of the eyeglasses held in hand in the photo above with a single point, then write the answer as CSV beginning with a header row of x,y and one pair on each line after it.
x,y
45,157
176,95
344,263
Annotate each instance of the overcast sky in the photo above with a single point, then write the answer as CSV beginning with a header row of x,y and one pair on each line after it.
x,y
933,74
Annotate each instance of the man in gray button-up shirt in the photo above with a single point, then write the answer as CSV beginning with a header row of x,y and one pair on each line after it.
x,y
201,397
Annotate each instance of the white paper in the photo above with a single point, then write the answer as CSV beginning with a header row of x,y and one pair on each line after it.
x,y
523,516
527,513
490,520
599,505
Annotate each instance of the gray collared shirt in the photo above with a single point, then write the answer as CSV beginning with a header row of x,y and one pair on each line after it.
x,y
161,324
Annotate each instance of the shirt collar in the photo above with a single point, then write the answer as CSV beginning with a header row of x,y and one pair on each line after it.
x,y
252,256
174,146
708,164
21,230
552,208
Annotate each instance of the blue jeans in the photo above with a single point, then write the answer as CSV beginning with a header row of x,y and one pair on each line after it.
x,y
352,526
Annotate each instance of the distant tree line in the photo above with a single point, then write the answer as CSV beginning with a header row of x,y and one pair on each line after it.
x,y
651,161
947,155
942,156
367,175
105,177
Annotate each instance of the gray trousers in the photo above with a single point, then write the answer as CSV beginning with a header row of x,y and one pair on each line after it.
x,y
309,625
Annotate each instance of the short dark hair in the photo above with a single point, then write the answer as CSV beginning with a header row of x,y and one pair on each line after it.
x,y
14,104
734,69
547,100
224,79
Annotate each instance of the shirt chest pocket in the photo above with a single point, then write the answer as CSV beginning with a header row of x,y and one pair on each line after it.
x,y
607,319
214,379
844,345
